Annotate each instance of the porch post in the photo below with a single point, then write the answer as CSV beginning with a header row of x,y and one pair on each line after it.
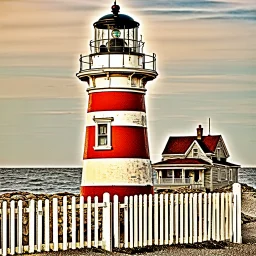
x,y
172,176
202,178
183,176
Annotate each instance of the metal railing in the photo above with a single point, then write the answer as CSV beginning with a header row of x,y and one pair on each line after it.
x,y
144,61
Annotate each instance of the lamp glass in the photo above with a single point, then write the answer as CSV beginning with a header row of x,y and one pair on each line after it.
x,y
116,33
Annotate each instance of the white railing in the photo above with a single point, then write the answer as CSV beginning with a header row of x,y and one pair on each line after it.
x,y
145,220
175,180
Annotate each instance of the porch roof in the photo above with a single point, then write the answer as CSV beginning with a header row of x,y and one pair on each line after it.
x,y
221,162
183,161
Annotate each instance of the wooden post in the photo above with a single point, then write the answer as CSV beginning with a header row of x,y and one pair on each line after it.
x,y
150,219
89,222
55,232
237,224
19,227
31,226
156,219
161,220
65,224
107,223
39,225
73,223
145,220
4,228
12,222
126,222
81,212
116,229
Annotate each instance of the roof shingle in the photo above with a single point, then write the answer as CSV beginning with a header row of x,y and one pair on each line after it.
x,y
179,145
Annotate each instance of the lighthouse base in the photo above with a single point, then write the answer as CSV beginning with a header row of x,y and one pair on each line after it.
x,y
121,191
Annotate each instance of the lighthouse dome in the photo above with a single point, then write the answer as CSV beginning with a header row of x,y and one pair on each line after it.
x,y
121,21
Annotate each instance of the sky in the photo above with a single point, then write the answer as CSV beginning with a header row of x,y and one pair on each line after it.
x,y
206,60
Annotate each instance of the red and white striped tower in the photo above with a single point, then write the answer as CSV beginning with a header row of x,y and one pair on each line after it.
x,y
116,153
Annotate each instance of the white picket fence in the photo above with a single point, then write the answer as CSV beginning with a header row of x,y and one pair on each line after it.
x,y
139,221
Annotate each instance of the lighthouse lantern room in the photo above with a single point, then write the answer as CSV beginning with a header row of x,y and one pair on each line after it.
x,y
116,153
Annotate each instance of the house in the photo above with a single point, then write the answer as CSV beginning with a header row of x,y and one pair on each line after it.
x,y
195,161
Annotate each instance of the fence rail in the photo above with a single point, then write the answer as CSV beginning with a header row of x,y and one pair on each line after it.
x,y
141,220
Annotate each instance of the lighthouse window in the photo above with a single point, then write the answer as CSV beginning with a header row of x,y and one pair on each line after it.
x,y
103,133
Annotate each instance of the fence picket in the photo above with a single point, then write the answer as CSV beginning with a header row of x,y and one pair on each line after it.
x,y
200,218
214,216
181,217
65,223
19,226
55,232
209,230
205,218
140,221
231,217
116,234
135,219
166,218
222,217
190,218
4,228
150,219
226,216
171,227
195,217
131,221
89,222
73,222
12,227
145,220
96,222
81,228
32,226
161,220
39,225
217,217
47,225
107,223
156,219
176,217
126,222
186,227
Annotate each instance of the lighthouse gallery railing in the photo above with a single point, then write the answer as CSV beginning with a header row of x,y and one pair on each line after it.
x,y
131,48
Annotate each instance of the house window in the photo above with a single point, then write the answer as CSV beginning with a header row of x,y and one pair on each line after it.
x,y
219,174
218,154
230,174
195,152
226,178
169,173
102,133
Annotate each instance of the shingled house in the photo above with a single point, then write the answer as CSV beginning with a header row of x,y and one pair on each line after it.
x,y
195,161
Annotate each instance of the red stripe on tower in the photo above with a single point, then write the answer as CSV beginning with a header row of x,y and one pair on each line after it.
x,y
116,152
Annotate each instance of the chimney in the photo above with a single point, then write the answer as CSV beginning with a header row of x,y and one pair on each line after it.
x,y
199,132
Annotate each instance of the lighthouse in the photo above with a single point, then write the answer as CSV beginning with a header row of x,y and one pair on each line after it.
x,y
116,152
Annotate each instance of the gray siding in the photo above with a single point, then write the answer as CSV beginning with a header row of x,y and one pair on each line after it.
x,y
225,176
207,178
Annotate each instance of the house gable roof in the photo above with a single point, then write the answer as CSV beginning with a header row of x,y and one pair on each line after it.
x,y
180,145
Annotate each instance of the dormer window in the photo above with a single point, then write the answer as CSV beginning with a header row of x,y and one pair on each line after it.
x,y
103,133
195,152
218,154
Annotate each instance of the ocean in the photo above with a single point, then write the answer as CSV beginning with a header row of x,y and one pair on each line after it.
x,y
54,180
